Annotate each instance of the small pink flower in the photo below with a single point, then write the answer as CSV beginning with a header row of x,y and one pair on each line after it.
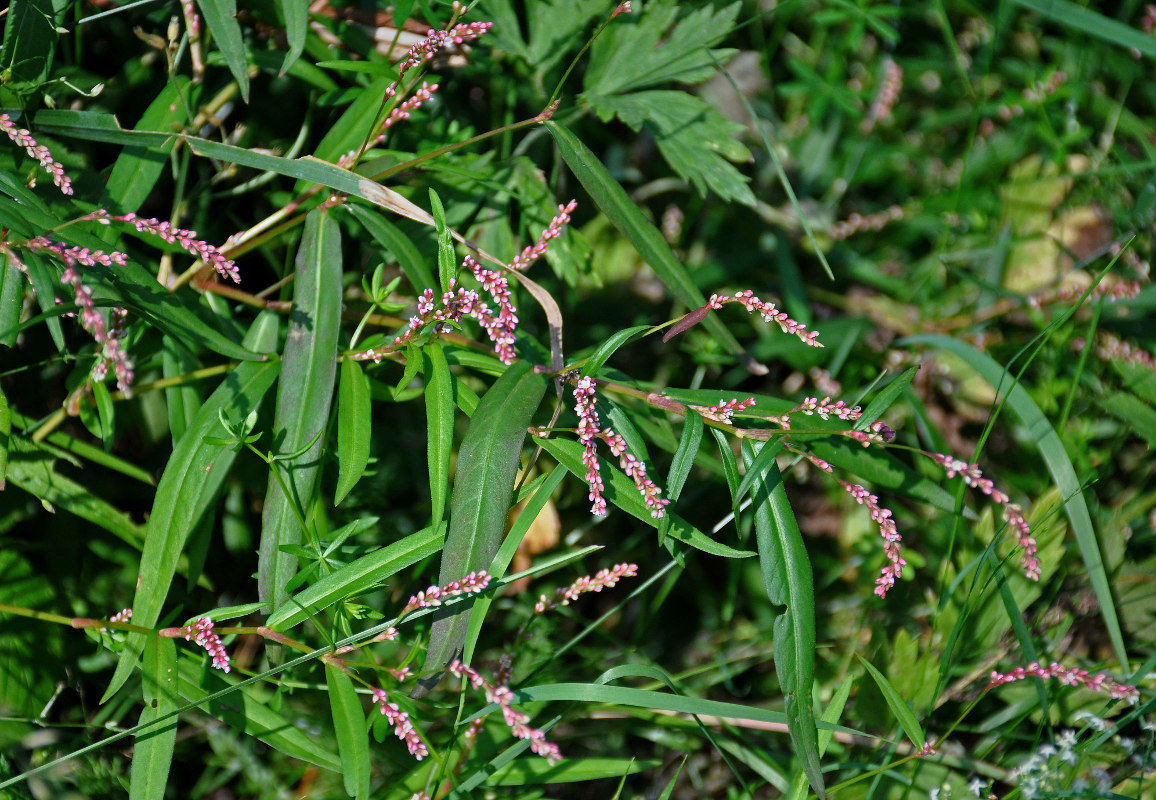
x,y
769,312
201,632
887,96
726,409
23,138
124,615
516,720
891,539
434,596
188,241
1068,676
532,253
604,579
402,727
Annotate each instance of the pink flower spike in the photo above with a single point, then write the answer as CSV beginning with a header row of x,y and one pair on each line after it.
x,y
188,241
1068,676
769,312
402,727
23,138
516,720
726,409
201,632
124,615
434,596
531,254
891,539
588,425
604,579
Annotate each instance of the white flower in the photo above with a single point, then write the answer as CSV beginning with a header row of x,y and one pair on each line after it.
x,y
976,785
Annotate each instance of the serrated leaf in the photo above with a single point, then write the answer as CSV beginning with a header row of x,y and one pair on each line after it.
x,y
695,140
354,427
651,47
786,570
304,398
221,17
439,409
190,485
349,724
152,755
487,465
554,28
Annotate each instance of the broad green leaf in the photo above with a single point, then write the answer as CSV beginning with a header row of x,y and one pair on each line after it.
x,y
487,465
30,39
191,484
439,410
355,123
138,168
354,427
653,46
831,714
610,347
554,28
621,492
28,651
11,293
152,754
304,398
1059,465
184,399
40,275
221,16
786,570
245,711
535,770
357,576
613,201
1089,22
296,17
695,140
352,738
897,704
388,235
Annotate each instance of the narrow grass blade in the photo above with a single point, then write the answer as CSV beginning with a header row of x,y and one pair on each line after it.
x,y
683,459
786,570
296,17
221,16
439,410
621,493
534,771
1060,467
354,427
357,576
304,398
190,485
730,464
1087,22
152,755
352,738
613,201
885,397
487,465
5,435
897,704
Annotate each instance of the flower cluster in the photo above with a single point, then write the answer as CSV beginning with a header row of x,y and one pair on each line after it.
x,y
434,596
769,312
1068,676
424,50
201,632
1012,514
535,251
188,241
886,97
826,409
877,433
725,410
892,541
111,348
1109,348
503,697
124,615
603,579
401,725
23,138
589,431
870,222
502,328
1033,94
1113,292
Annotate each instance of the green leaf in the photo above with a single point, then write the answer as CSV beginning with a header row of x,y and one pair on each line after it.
x,y
1088,22
11,305
439,409
831,714
409,258
730,464
1059,465
354,427
897,704
786,570
1138,415
650,47
695,140
683,459
610,347
620,492
153,750
644,698
5,435
352,738
245,711
190,485
296,17
447,263
357,576
221,16
182,400
304,398
613,201
885,397
30,42
535,770
138,168
487,465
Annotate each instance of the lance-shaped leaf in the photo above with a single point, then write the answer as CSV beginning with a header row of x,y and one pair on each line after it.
x,y
221,15
152,755
304,397
786,572
487,466
352,738
191,483
354,425
439,409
